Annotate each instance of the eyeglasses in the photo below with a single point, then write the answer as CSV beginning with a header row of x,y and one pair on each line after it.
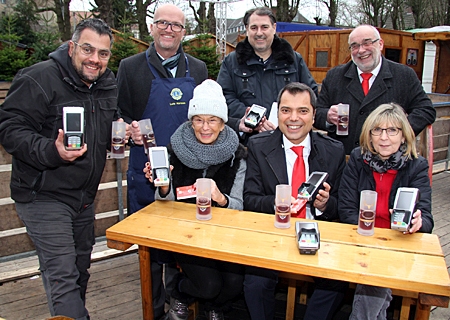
x,y
197,122
365,44
89,50
163,25
392,131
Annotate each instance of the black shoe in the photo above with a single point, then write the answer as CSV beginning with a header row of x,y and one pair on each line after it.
x,y
178,310
214,315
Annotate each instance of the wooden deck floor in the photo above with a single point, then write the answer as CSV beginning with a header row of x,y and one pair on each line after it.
x,y
114,291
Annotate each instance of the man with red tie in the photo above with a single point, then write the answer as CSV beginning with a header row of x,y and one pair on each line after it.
x,y
366,82
273,159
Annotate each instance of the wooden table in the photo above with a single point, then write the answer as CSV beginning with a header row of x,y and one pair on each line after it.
x,y
389,259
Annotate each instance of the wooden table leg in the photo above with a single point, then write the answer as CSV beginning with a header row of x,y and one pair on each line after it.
x,y
422,311
146,283
425,301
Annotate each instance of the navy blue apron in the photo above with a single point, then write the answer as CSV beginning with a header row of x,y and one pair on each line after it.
x,y
167,108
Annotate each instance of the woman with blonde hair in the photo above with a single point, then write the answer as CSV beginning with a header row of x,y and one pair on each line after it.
x,y
385,161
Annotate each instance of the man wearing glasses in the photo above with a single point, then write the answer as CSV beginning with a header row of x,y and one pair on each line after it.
x,y
366,82
54,188
157,84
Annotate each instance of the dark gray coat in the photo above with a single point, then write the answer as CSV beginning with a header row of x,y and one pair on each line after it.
x,y
394,83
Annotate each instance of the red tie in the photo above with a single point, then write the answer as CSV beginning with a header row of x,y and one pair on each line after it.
x,y
298,177
365,82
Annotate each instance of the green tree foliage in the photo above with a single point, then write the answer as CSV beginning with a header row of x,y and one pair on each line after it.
x,y
12,59
46,42
206,53
122,48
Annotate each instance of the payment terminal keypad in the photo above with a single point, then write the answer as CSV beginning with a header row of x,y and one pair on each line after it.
x,y
74,142
162,177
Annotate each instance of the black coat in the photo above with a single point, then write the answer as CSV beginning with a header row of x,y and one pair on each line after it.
x,y
266,167
246,80
134,79
29,121
358,176
395,83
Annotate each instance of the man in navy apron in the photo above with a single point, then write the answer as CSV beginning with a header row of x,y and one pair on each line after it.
x,y
157,84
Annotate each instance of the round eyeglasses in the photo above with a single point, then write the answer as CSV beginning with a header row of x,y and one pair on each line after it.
x,y
89,50
198,122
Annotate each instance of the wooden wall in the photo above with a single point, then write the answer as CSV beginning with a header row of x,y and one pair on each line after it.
x,y
334,45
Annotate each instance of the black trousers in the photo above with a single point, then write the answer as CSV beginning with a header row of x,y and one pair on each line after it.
x,y
214,281
259,290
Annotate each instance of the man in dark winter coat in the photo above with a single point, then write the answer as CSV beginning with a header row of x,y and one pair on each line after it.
x,y
387,82
260,67
54,188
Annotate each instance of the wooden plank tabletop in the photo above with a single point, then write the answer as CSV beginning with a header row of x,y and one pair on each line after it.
x,y
422,243
277,249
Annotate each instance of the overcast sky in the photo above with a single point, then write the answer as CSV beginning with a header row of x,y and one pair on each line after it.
x,y
235,9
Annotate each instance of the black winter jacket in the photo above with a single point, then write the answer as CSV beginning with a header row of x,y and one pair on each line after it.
x,y
245,79
29,121
358,176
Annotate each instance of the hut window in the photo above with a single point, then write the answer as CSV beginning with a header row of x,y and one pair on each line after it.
x,y
321,59
392,54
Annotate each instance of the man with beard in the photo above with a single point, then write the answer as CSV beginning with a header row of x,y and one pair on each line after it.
x,y
54,188
386,82
260,67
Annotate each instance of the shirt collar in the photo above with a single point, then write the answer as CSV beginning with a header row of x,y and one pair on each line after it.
x,y
374,72
306,143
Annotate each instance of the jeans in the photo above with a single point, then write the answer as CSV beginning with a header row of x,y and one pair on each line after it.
x,y
370,302
63,239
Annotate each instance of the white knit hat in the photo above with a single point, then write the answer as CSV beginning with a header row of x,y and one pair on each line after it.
x,y
208,99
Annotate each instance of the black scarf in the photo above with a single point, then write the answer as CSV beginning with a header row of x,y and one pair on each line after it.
x,y
396,161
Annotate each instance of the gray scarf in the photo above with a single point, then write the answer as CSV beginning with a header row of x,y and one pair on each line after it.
x,y
197,155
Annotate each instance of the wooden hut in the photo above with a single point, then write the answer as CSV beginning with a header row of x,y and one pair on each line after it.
x,y
325,49
441,38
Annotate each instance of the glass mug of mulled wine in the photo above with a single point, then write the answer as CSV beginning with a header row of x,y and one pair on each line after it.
x,y
148,136
282,206
203,199
118,132
343,119
367,210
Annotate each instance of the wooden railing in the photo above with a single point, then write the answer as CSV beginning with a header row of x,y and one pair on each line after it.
x,y
4,87
107,203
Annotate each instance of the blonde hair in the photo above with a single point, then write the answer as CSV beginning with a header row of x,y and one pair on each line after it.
x,y
388,113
